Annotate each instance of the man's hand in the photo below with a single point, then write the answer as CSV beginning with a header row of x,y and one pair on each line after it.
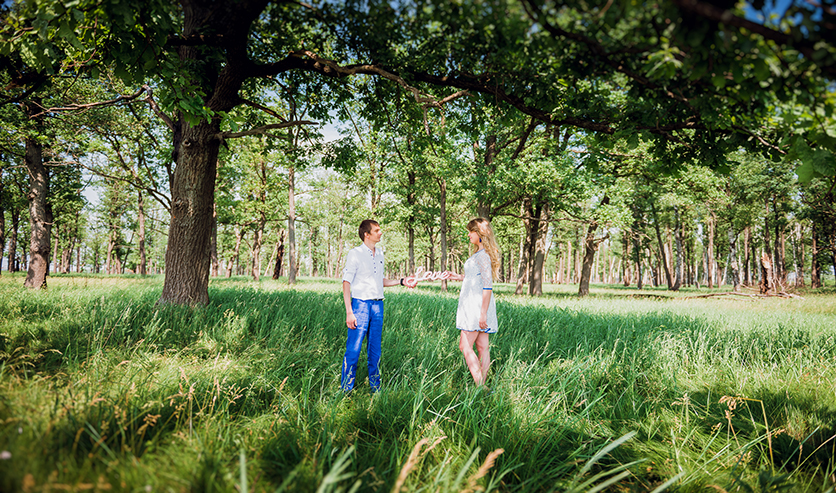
x,y
410,282
351,321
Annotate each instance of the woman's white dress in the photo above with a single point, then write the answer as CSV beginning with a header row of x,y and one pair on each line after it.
x,y
477,278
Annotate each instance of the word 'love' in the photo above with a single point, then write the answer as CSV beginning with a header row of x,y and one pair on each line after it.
x,y
420,275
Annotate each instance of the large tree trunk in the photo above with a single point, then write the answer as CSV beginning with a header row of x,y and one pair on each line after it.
x,y
192,204
40,216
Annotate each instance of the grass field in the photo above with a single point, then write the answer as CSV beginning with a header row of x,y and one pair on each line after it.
x,y
102,390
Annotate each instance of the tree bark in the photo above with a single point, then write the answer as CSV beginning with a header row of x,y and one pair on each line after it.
x,y
483,205
192,204
798,255
525,247
637,250
747,261
277,270
590,247
677,282
2,222
710,267
625,255
143,268
258,240
236,252
291,226
442,204
40,216
766,285
410,222
662,256
735,269
213,243
13,264
541,229
815,278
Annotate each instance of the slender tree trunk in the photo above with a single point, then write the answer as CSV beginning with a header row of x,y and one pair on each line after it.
x,y
735,269
662,256
483,204
213,244
590,246
677,283
2,222
637,250
291,226
710,267
410,222
143,269
747,268
442,204
798,255
258,240
815,278
625,256
236,252
767,248
40,216
277,270
541,229
15,215
525,247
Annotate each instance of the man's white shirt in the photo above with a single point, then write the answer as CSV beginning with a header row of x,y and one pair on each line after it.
x,y
364,271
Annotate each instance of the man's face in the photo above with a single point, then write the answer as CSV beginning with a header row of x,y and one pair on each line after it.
x,y
375,234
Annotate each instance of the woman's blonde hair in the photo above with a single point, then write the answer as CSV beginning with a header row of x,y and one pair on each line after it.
x,y
482,227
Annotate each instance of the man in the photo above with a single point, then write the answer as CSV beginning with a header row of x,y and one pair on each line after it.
x,y
363,284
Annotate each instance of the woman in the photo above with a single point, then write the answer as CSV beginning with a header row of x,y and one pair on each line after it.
x,y
476,315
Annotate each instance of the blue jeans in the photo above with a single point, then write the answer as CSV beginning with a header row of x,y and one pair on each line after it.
x,y
369,315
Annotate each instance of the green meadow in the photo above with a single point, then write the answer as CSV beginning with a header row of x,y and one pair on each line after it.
x,y
101,389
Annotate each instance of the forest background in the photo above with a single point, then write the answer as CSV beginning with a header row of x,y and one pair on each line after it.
x,y
677,146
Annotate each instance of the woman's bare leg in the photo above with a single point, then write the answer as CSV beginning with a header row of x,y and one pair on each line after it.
x,y
484,354
471,360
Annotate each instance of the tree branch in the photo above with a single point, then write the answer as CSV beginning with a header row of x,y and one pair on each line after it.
x,y
263,130
87,106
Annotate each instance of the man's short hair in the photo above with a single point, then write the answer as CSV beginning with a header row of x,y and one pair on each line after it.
x,y
366,227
